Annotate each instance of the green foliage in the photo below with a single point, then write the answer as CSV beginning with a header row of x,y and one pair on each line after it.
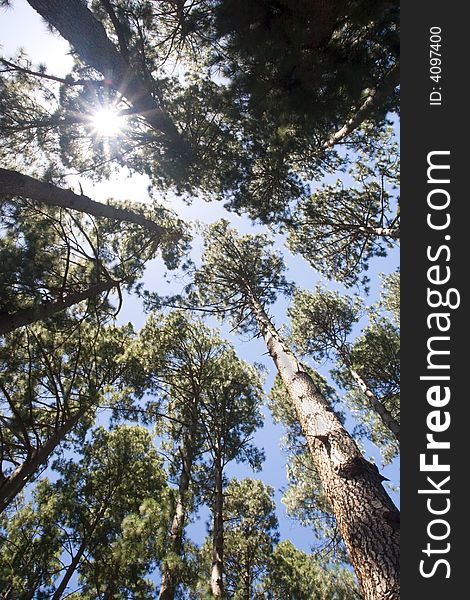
x,y
322,323
50,253
49,376
30,548
294,575
235,269
375,355
250,534
390,299
115,499
108,510
30,113
339,229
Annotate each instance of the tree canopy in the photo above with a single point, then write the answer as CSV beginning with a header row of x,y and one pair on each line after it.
x,y
147,359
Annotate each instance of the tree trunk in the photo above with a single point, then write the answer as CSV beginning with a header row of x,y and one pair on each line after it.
x,y
16,184
391,232
170,578
372,101
387,418
217,585
78,25
59,593
367,518
10,322
12,485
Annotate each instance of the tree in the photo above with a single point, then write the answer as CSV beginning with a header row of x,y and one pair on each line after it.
x,y
304,497
390,297
306,64
295,575
17,184
253,139
51,381
250,535
206,402
338,230
76,258
238,278
110,511
77,24
30,542
231,415
181,361
321,324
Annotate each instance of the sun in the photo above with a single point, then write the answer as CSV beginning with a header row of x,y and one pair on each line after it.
x,y
107,122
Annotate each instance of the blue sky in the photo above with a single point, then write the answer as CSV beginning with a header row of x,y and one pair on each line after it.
x,y
22,27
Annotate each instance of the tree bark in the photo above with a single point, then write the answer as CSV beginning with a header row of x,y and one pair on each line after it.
x,y
387,418
169,576
78,25
12,485
372,101
217,585
10,322
16,184
367,518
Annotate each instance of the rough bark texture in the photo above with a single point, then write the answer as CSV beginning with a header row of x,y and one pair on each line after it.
x,y
170,579
12,485
16,184
387,418
10,322
217,585
77,24
367,518
375,98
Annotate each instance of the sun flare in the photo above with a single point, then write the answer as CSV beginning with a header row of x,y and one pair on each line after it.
x,y
107,122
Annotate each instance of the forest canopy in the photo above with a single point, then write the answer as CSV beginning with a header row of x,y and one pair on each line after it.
x,y
199,308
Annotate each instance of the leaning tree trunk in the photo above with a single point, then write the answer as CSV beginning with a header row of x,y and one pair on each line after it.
x,y
373,100
12,485
367,518
16,184
11,321
217,585
78,25
170,578
59,593
385,415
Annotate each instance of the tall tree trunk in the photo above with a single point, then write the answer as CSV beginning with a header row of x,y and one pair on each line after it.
x,y
12,485
17,184
78,25
170,578
387,418
373,100
10,322
367,518
217,585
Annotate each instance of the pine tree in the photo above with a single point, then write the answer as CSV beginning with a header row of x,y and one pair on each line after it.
x,y
239,278
321,325
51,382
